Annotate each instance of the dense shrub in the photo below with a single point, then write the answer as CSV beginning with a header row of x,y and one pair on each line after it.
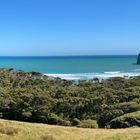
x,y
88,124
34,97
54,119
75,122
107,116
127,120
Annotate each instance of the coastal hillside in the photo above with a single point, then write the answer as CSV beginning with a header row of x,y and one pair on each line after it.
x,y
12,130
34,97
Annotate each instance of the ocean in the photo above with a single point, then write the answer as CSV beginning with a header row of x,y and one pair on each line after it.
x,y
76,67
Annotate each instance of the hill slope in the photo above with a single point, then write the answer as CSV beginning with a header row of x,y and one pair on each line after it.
x,y
12,130
34,97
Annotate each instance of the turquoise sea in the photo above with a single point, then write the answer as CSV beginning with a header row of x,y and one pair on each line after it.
x,y
76,67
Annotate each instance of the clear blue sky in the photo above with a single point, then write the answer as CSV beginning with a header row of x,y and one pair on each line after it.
x,y
69,27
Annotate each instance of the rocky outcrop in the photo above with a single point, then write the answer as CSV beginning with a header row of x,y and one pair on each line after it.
x,y
138,59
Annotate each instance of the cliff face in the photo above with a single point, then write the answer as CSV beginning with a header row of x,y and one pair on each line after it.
x,y
138,59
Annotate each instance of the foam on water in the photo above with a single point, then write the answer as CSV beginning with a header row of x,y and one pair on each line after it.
x,y
87,76
112,72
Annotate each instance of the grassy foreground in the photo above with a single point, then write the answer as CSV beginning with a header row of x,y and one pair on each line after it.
x,y
12,130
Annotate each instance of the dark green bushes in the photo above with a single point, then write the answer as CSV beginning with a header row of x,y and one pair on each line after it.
x,y
127,120
54,119
34,97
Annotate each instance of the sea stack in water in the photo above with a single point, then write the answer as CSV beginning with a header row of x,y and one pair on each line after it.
x,y
138,59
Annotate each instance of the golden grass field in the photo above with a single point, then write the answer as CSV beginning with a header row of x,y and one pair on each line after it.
x,y
13,130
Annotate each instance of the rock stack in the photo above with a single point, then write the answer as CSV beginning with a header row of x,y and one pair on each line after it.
x,y
138,59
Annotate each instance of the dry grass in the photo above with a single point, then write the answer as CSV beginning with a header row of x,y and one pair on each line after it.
x,y
12,130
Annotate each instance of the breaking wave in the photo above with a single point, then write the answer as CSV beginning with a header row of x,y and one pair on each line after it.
x,y
88,76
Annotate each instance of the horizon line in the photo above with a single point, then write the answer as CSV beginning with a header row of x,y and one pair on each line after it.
x,y
67,55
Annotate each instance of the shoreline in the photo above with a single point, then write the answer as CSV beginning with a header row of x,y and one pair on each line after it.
x,y
89,76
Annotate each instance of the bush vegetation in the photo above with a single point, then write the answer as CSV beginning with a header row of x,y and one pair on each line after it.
x,y
88,124
126,120
34,97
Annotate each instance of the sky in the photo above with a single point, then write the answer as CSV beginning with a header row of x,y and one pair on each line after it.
x,y
69,27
